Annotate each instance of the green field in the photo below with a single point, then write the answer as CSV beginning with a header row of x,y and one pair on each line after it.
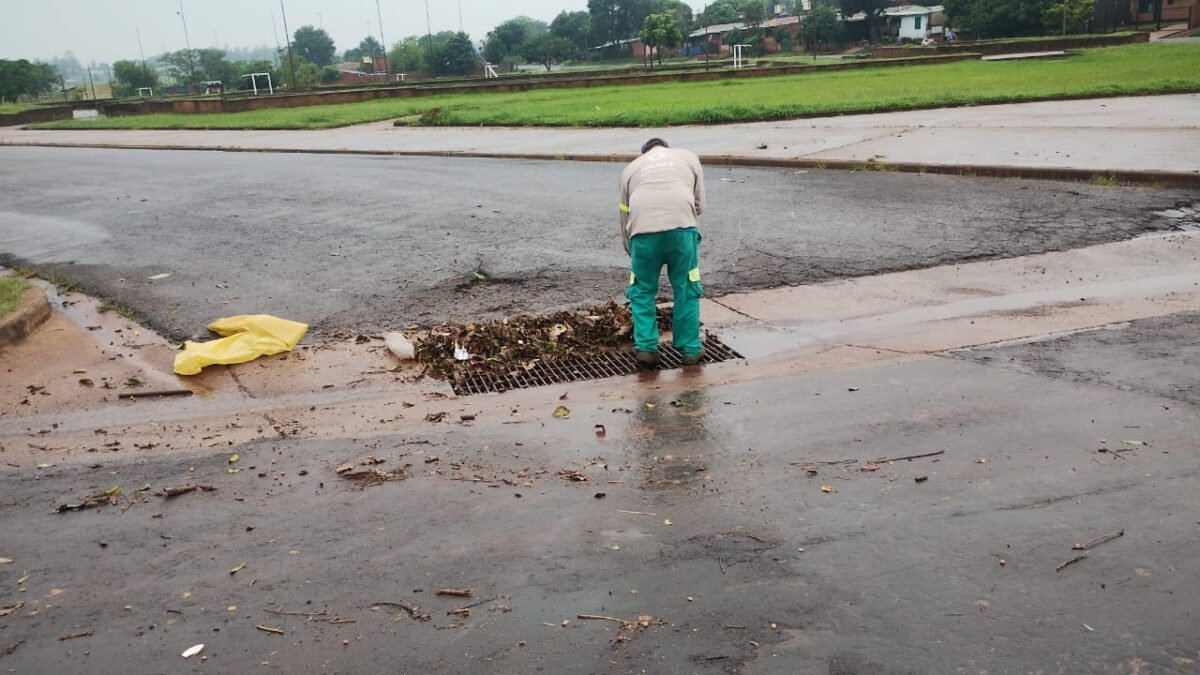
x,y
1115,71
13,108
11,289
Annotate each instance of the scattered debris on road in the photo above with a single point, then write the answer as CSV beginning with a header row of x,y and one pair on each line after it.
x,y
5,611
174,491
192,651
109,496
269,629
413,611
501,346
455,592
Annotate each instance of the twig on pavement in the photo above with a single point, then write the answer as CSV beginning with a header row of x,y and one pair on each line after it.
x,y
1072,561
885,460
1098,540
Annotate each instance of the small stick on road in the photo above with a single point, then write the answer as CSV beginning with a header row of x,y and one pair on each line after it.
x,y
133,395
824,463
597,617
884,460
272,631
636,513
456,592
1098,540
282,611
1072,561
72,636
473,604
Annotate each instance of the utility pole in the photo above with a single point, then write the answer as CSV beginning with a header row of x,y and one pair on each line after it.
x,y
1064,32
706,44
142,52
382,40
288,35
188,41
460,20
321,21
93,82
429,31
278,49
111,93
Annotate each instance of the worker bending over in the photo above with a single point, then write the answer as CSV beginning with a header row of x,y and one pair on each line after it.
x,y
662,197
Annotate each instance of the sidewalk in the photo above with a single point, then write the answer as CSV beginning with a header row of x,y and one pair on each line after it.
x,y
1150,137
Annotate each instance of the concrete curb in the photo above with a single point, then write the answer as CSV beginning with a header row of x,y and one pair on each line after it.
x,y
33,311
1173,179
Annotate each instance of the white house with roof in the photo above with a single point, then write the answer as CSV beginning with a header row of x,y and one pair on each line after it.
x,y
916,21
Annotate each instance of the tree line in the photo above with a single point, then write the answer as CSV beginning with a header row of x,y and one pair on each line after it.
x,y
571,35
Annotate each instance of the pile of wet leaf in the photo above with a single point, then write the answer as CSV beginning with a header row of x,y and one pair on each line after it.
x,y
502,346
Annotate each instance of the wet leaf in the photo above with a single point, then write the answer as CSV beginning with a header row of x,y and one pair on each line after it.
x,y
5,561
156,277
239,568
828,489
601,432
562,412
233,459
869,466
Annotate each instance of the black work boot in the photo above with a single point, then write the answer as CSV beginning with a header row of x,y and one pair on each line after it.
x,y
647,359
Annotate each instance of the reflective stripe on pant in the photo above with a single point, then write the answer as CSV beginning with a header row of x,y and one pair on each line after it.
x,y
679,251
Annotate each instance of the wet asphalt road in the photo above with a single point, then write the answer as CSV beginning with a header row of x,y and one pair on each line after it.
x,y
953,574
363,243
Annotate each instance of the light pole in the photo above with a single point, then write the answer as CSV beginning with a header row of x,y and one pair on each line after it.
x,y
188,41
460,20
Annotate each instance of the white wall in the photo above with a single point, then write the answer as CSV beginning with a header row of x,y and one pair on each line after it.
x,y
908,27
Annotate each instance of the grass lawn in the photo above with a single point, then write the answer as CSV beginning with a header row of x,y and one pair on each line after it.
x,y
1114,71
11,289
12,108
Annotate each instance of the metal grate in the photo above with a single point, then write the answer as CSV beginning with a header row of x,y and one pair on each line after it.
x,y
581,368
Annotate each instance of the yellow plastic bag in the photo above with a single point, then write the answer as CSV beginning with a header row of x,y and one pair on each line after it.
x,y
246,338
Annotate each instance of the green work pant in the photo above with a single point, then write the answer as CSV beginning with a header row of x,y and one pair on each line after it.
x,y
678,250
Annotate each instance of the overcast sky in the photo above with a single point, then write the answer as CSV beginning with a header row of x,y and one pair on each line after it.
x,y
106,31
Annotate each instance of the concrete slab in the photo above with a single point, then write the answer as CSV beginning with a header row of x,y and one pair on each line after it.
x,y
1150,133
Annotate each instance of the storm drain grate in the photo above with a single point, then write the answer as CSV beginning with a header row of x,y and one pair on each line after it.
x,y
579,369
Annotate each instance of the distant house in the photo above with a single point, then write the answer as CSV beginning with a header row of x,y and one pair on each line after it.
x,y
915,22
716,35
1173,11
632,46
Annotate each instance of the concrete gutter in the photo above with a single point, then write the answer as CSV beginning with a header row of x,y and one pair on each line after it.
x,y
1151,178
31,312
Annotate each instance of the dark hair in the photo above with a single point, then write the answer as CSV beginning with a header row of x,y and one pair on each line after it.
x,y
653,143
